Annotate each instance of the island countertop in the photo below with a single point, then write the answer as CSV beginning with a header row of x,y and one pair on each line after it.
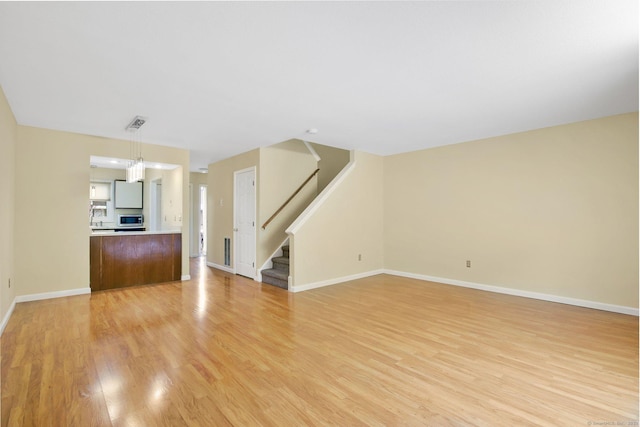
x,y
125,232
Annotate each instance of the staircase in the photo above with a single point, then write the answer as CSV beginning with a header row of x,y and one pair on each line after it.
x,y
279,274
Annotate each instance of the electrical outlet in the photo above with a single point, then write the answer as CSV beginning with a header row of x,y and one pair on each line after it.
x,y
469,263
9,282
359,257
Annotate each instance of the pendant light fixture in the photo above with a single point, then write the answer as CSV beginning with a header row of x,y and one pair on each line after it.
x,y
135,168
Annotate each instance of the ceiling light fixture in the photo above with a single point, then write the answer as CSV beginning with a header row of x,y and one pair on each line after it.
x,y
135,169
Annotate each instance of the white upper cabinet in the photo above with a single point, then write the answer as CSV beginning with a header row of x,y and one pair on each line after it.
x,y
100,190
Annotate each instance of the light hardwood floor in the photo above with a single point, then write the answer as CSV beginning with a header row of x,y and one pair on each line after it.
x,y
223,350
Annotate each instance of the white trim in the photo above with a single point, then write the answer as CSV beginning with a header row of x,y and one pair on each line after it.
x,y
185,277
520,293
221,267
7,316
312,151
335,281
56,294
322,197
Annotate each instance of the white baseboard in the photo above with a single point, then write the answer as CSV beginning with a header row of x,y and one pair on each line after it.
x,y
520,293
57,294
335,281
185,277
221,267
6,317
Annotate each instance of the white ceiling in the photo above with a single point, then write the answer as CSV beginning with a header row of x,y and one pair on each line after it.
x,y
221,78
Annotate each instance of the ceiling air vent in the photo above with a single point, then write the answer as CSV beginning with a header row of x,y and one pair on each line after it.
x,y
136,123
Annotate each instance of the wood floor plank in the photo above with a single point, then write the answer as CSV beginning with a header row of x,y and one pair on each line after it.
x,y
223,350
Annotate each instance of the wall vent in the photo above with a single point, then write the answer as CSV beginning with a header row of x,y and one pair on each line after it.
x,y
227,251
136,123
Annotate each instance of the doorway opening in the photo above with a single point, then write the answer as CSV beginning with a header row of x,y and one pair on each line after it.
x,y
202,221
155,205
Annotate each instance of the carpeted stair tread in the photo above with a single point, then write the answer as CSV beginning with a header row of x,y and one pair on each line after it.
x,y
275,273
281,259
275,277
279,274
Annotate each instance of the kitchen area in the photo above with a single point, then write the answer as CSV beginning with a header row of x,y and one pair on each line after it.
x,y
135,227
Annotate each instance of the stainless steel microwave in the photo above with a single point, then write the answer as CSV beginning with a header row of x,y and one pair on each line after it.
x,y
130,220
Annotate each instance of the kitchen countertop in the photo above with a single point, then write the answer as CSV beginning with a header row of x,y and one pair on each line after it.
x,y
97,231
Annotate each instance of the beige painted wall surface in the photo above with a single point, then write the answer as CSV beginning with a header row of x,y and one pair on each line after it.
x,y
220,203
332,161
283,168
348,223
553,211
173,188
170,197
8,137
197,178
52,170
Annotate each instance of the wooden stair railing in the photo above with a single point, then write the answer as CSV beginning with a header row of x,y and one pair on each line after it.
x,y
290,198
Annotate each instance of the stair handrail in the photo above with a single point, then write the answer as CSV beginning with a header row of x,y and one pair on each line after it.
x,y
290,198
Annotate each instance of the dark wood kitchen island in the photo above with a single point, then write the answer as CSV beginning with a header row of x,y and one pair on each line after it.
x,y
124,259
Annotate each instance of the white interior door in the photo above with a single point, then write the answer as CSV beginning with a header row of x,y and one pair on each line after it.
x,y
244,198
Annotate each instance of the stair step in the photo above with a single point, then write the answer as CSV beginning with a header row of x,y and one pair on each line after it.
x,y
279,274
275,277
281,263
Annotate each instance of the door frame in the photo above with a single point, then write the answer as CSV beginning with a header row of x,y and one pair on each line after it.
x,y
235,219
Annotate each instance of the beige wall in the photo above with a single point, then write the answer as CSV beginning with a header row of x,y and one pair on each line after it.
x,y
8,137
220,203
283,168
172,191
174,186
280,169
349,223
107,174
52,169
553,211
332,161
198,178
